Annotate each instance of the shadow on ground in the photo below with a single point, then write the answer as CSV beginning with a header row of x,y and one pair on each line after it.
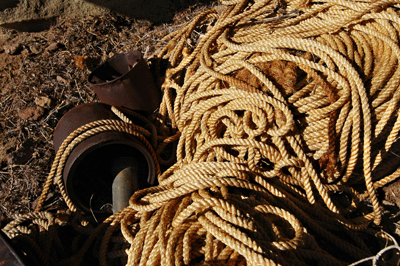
x,y
156,11
39,15
8,4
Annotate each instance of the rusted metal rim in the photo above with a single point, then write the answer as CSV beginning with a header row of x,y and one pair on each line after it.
x,y
87,173
8,255
125,80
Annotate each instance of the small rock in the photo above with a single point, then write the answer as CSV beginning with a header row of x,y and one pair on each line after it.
x,y
35,48
62,80
31,113
144,29
53,47
43,102
13,49
392,192
1,50
25,52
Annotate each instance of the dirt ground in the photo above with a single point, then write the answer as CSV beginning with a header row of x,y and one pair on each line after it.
x,y
43,74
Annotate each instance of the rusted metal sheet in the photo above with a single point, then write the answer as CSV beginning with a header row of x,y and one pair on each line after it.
x,y
125,80
8,256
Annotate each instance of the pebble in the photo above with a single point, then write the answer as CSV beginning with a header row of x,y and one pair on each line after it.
x,y
35,49
392,192
43,101
53,47
13,49
62,80
144,29
32,113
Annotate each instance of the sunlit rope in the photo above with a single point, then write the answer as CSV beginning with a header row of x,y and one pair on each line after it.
x,y
285,113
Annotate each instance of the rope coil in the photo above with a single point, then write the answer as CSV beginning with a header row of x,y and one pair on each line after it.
x,y
286,114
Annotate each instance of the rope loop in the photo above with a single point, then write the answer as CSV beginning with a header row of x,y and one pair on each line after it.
x,y
274,133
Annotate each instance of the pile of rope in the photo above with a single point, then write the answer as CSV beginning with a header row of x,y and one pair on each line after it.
x,y
285,115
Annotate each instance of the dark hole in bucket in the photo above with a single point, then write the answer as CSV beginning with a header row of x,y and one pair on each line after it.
x,y
92,179
105,73
115,67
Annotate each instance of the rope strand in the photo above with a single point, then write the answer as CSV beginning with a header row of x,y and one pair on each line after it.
x,y
280,118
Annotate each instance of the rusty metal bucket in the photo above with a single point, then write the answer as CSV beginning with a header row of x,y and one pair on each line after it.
x,y
92,166
8,255
125,80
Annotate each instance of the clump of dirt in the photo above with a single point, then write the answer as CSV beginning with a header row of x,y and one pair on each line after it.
x,y
31,113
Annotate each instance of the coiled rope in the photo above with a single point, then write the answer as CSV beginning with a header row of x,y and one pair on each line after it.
x,y
286,115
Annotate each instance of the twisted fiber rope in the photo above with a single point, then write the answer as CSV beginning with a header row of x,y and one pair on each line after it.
x,y
286,114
